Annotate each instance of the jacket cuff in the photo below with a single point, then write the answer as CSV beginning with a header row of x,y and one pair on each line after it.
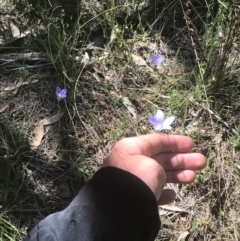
x,y
125,201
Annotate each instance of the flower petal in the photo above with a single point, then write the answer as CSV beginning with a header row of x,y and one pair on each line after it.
x,y
153,120
160,116
167,122
61,93
64,92
58,90
157,125
158,59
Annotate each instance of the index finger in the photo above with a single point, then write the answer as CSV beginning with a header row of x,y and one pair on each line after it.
x,y
153,144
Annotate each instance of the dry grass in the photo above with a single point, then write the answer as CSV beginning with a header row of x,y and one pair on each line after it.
x,y
103,56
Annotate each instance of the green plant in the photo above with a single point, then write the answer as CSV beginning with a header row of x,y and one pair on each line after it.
x,y
198,83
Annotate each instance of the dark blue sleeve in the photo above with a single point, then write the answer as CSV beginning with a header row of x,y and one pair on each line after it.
x,y
114,205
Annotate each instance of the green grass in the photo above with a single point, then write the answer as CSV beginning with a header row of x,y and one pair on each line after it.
x,y
198,83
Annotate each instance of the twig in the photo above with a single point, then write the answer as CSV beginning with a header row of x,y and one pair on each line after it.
x,y
32,56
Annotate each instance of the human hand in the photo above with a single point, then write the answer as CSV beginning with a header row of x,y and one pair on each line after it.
x,y
157,160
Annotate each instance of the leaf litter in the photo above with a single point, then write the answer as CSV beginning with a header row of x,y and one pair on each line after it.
x,y
39,131
38,135
3,107
140,60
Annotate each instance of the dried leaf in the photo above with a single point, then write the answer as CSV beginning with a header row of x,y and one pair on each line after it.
x,y
15,30
10,86
96,77
38,135
130,107
138,60
163,212
183,235
19,83
3,107
14,85
30,82
174,208
52,119
112,39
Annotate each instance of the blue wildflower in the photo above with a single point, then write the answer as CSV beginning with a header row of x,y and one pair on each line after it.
x,y
159,121
61,93
158,59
